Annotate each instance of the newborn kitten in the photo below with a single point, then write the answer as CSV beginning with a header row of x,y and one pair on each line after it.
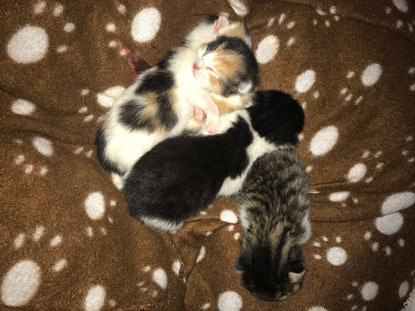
x,y
274,212
161,102
183,175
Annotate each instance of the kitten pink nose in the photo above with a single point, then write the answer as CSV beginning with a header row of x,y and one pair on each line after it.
x,y
197,65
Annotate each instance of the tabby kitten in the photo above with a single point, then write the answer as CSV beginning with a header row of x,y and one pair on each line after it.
x,y
274,212
214,70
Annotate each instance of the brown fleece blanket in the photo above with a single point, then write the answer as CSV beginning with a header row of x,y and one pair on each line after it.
x,y
67,241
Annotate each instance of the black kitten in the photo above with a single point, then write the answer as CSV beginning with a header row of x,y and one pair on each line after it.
x,y
183,175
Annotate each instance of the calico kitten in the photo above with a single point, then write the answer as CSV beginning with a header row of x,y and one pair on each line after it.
x,y
183,175
274,212
213,68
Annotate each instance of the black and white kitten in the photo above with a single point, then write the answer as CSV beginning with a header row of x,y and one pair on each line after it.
x,y
183,175
274,212
213,72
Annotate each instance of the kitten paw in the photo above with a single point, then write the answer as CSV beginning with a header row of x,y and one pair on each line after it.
x,y
212,126
198,114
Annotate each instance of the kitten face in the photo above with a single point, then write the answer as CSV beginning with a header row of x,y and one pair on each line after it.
x,y
226,67
271,275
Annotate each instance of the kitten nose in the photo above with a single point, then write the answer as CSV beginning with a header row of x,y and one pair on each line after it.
x,y
197,65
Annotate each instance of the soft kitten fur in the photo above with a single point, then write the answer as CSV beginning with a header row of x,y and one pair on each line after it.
x,y
183,175
274,213
161,102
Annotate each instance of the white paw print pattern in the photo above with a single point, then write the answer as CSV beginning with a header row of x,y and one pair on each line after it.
x,y
21,281
387,249
392,220
406,153
397,10
42,145
95,208
411,72
362,295
269,46
369,77
328,17
159,279
105,99
30,43
335,255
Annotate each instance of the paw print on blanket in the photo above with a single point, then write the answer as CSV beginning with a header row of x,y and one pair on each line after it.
x,y
31,43
22,280
157,279
144,25
95,209
369,76
362,295
390,223
411,72
105,100
42,145
398,11
335,255
269,46
328,17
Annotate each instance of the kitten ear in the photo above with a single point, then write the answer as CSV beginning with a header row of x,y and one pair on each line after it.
x,y
244,87
295,277
220,24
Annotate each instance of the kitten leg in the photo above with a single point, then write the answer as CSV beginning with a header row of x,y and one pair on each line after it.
x,y
198,114
212,114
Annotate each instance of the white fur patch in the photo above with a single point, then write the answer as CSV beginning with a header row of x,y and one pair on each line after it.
x,y
257,148
161,224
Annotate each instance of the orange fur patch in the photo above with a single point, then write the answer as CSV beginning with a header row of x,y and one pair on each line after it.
x,y
237,31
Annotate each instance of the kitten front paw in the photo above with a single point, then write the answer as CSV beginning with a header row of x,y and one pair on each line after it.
x,y
198,114
212,126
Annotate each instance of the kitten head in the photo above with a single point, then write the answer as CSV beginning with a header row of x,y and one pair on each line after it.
x,y
272,269
277,117
226,66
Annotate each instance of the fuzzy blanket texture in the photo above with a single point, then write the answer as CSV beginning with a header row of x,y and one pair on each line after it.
x,y
67,241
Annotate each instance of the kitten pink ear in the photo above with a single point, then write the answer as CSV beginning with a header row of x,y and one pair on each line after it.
x,y
244,87
220,24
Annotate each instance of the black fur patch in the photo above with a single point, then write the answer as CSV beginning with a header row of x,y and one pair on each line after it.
x,y
166,114
159,81
277,116
101,143
130,115
166,59
210,19
182,175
